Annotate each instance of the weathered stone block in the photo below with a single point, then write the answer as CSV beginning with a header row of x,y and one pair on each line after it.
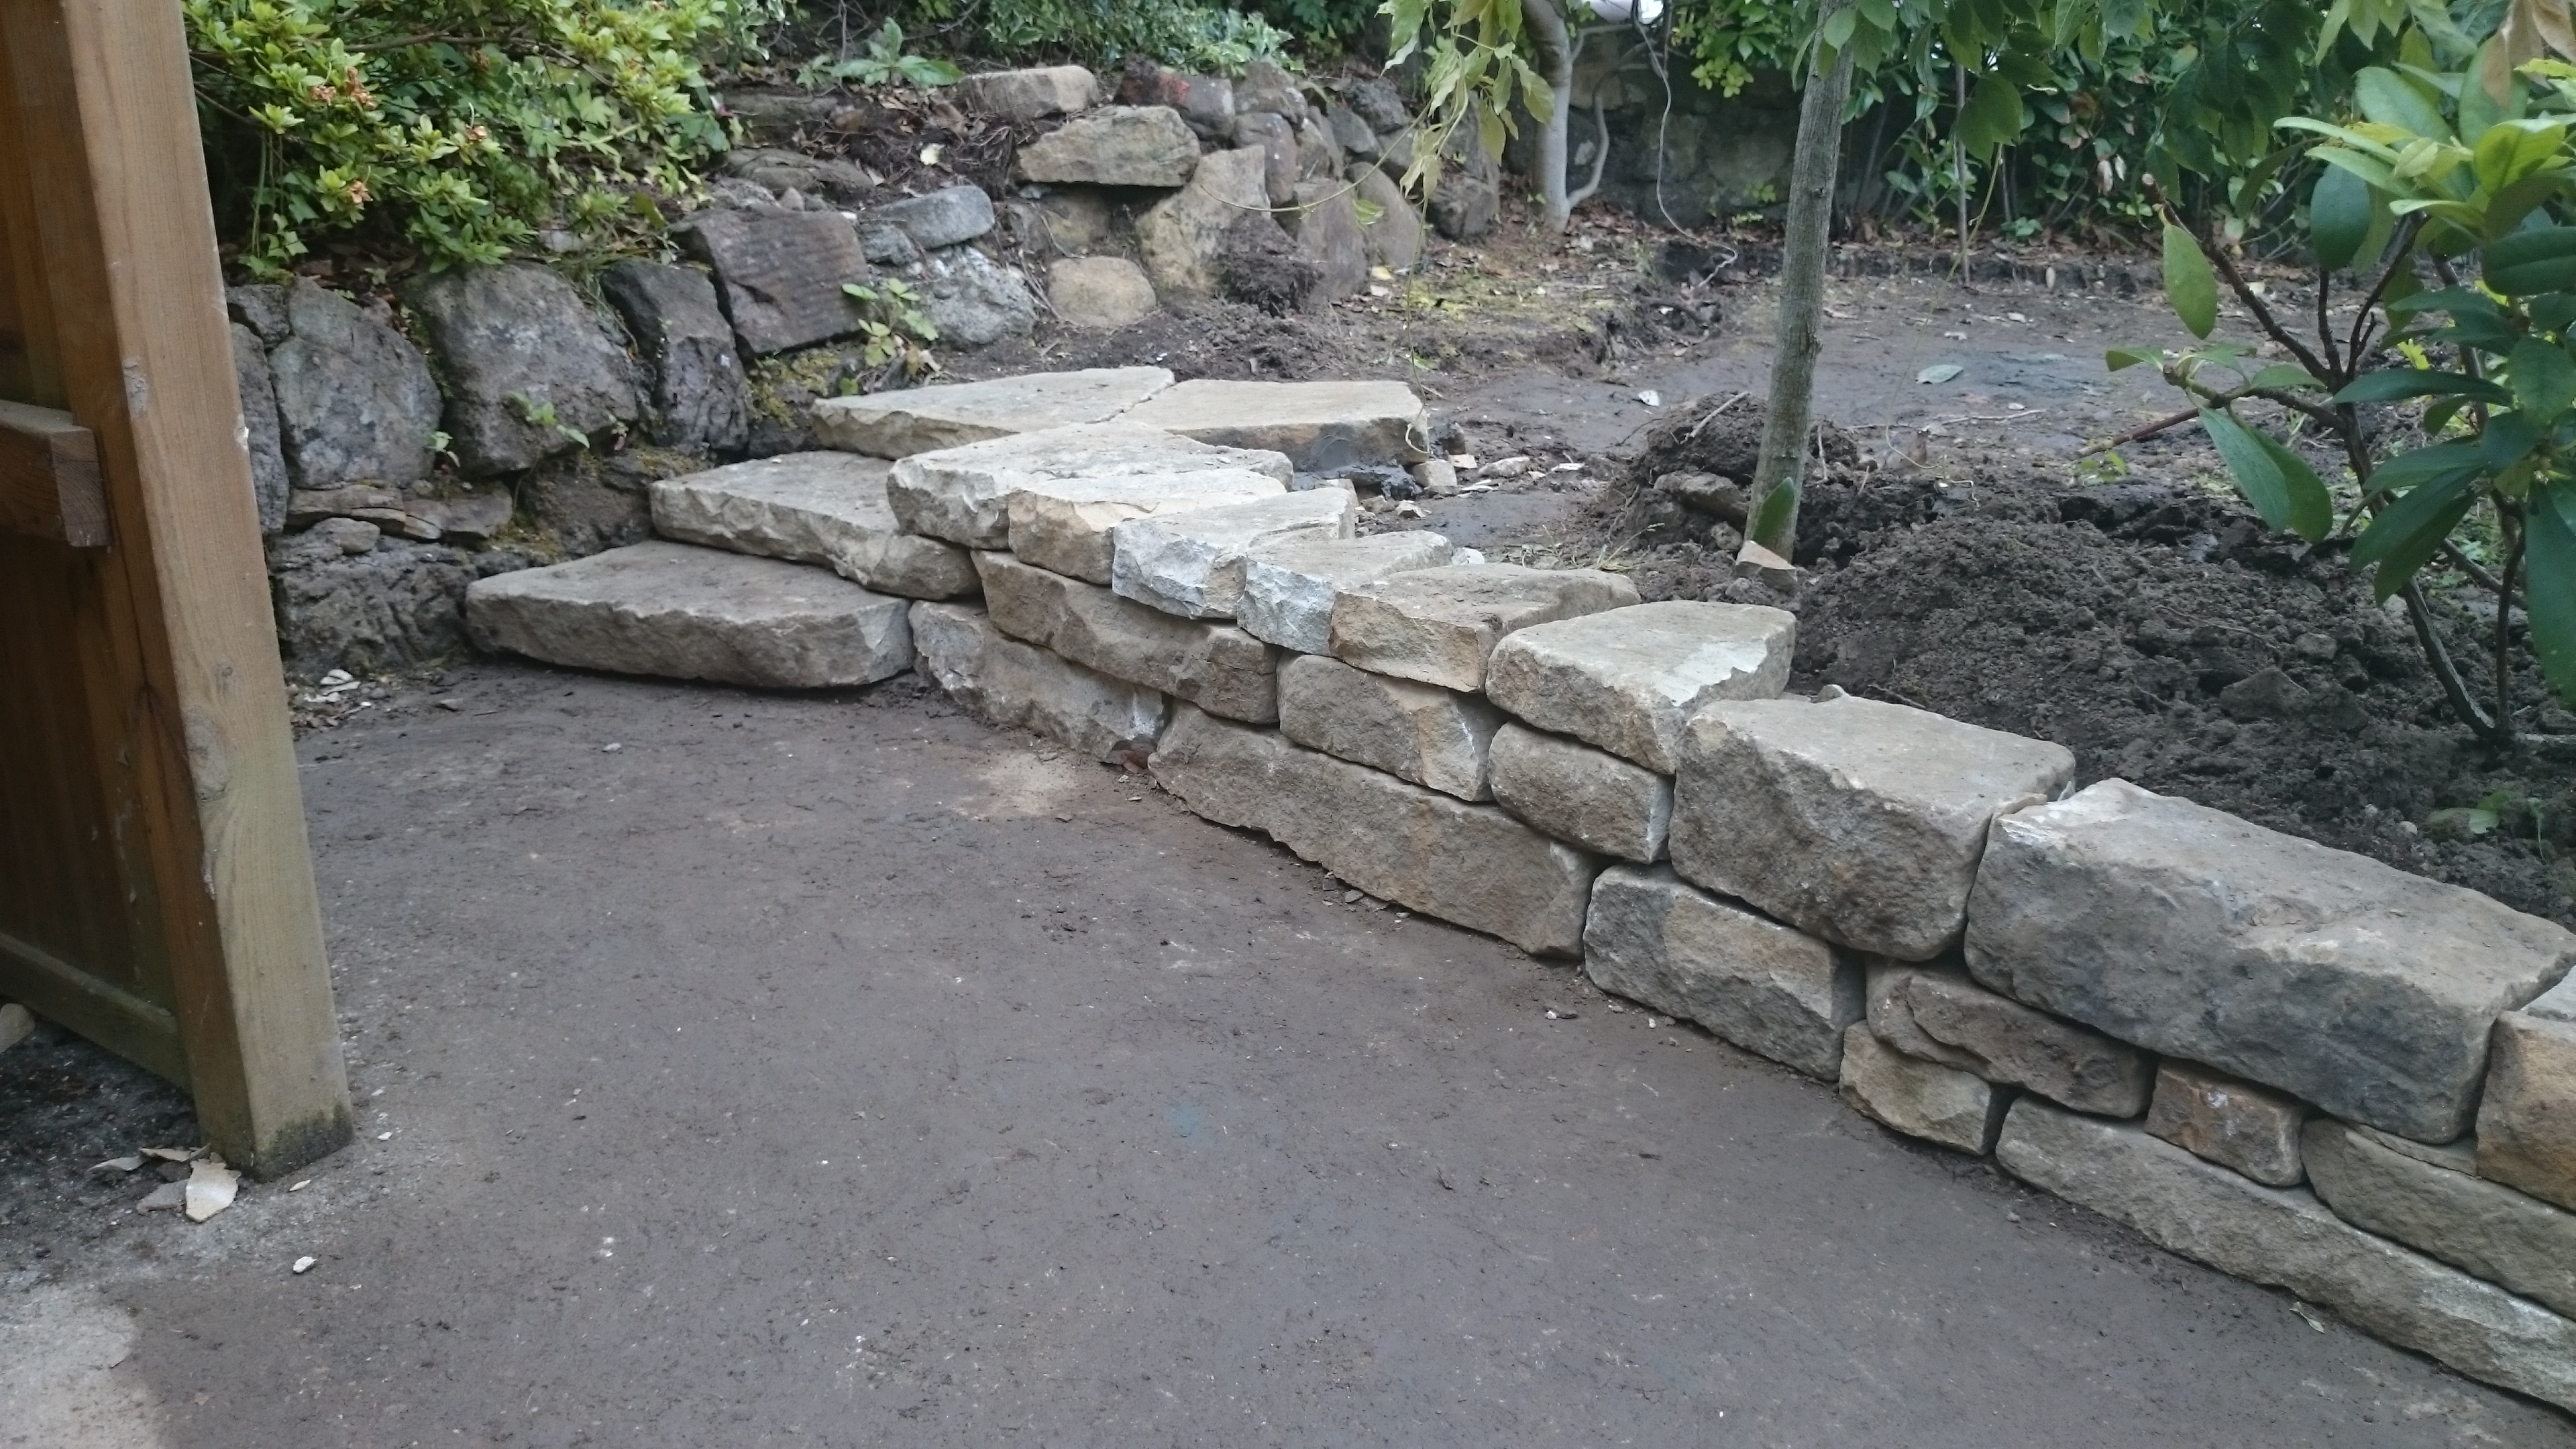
x,y
1582,795
948,217
1191,561
2235,1124
780,273
964,494
1468,864
1394,236
1288,588
269,486
1756,983
698,393
1322,425
1221,670
1859,821
1889,987
2511,1240
818,508
530,368
1069,524
1015,686
2288,1239
1030,95
1101,293
2009,1042
1629,679
1182,237
1419,732
1440,625
355,401
973,300
1959,1110
1326,224
2527,1127
1115,146
694,613
2348,983
913,420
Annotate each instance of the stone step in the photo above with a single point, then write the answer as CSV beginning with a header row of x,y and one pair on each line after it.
x,y
1069,525
1191,561
1004,682
682,612
1288,588
913,420
1323,425
1218,668
1439,626
963,493
1756,983
1628,679
816,508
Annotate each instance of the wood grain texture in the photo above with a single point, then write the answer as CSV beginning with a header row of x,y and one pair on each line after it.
x,y
49,484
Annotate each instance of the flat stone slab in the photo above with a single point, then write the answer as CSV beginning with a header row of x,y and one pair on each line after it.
x,y
1438,626
2250,1129
1191,561
1770,990
2491,1231
963,493
1006,683
1581,795
1068,524
1323,425
1468,864
1114,146
1629,679
1419,732
1030,95
817,508
1858,821
780,273
1288,588
694,613
2288,1239
913,420
2356,986
1958,1110
1218,668
2527,1126
2008,1042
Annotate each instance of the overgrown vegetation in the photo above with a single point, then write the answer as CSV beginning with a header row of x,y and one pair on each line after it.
x,y
1182,33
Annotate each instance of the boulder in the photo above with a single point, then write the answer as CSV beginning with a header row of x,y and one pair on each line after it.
x,y
261,307
1628,679
1183,236
1858,821
2510,1240
963,493
1268,89
1070,524
1468,864
1390,230
694,613
355,402
1319,157
1582,795
2235,1124
593,500
1324,426
1439,625
1468,198
1191,561
1958,1110
1029,95
1288,589
1751,981
778,172
951,216
699,398
349,598
1356,137
780,273
1431,736
1099,293
2010,1043
1011,685
268,481
1378,102
913,420
1276,140
1115,146
1205,103
1889,986
2288,1239
1325,221
815,508
2358,987
2527,1126
531,370
973,300
1221,670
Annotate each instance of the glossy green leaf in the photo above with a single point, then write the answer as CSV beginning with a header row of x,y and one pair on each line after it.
x,y
2512,150
2549,587
2339,213
2544,380
2393,100
2424,465
1992,117
2279,483
2508,439
2282,377
2120,357
2391,384
2406,534
2190,286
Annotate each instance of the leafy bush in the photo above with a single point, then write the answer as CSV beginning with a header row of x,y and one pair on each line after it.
x,y
1104,32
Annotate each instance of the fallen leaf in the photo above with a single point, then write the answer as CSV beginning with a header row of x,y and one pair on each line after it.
x,y
1651,398
1939,372
210,1189
122,1164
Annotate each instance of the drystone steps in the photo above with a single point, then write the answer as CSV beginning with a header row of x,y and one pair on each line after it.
x,y
815,508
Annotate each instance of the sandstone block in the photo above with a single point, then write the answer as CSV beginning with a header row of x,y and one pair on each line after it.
x,y
1889,993
1101,293
1191,561
1959,1110
2510,1240
2527,1127
694,613
1221,670
1469,864
2288,1239
2348,983
1013,685
1288,588
1115,146
817,508
1629,679
1030,95
780,273
1859,821
1418,732
963,494
1322,425
1768,989
2011,1043
913,420
1182,237
1440,625
1070,524
2232,1123
1582,795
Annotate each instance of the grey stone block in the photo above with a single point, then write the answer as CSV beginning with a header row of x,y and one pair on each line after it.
x,y
1754,982
1115,146
2235,1124
1191,561
1418,732
1889,988
973,300
2009,1042
1958,1110
1030,95
913,420
1289,588
699,396
1440,625
817,508
1322,425
945,218
355,401
1069,525
2513,1241
268,481
1182,237
1099,293
2527,1125
1220,669
780,273
1629,679
530,368
1078,483
1017,686
1582,795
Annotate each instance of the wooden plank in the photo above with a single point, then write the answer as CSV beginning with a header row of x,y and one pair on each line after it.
x,y
49,485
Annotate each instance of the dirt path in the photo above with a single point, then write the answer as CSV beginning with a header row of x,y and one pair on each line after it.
x,y
838,1071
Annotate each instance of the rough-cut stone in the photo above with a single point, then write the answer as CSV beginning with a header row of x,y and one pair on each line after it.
x,y
964,493
1191,561
1319,156
2011,1043
1324,426
355,402
2288,1239
1101,293
1268,88
2348,983
948,217
1115,146
694,613
1221,670
1582,795
1030,95
1069,524
261,307
1205,102
1182,237
1958,1110
1629,679
1288,589
1859,821
349,598
699,400
1891,1012
1277,142
923,419
1354,135
1439,625
1467,199
268,481
2233,1123
780,273
2511,1240
2527,1126
1419,732
1393,235
1007,683
1325,220
1468,864
1756,983
817,508
973,300
529,367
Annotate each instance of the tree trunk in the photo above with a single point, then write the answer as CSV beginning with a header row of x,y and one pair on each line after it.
x,y
1773,528
1556,62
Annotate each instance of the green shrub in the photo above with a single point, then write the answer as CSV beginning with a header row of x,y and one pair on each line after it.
x,y
1105,32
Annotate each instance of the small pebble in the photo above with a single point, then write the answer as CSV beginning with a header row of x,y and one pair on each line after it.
x,y
304,1265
